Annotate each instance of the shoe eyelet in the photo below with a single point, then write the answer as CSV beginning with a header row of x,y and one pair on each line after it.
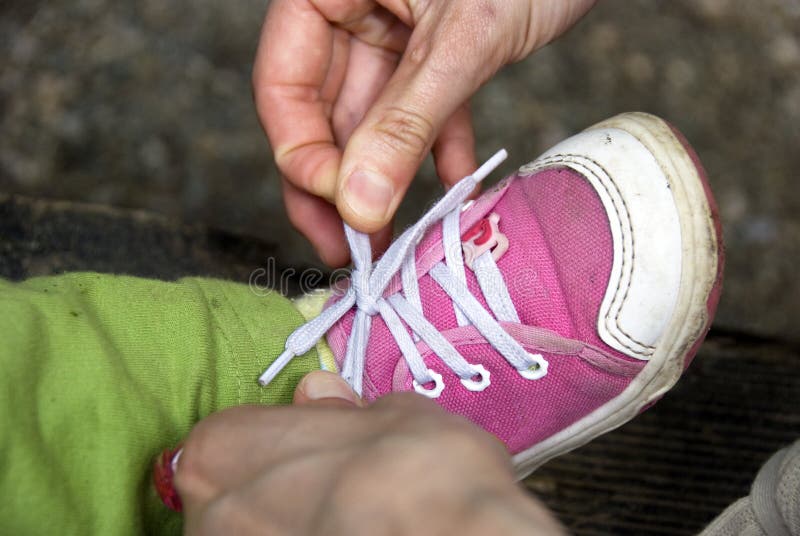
x,y
537,368
479,385
437,388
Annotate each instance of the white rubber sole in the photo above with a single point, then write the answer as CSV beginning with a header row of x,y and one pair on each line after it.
x,y
690,319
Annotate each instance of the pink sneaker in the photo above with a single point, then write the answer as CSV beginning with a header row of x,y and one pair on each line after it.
x,y
551,310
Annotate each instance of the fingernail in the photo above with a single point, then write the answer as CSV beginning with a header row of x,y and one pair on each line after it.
x,y
368,194
319,385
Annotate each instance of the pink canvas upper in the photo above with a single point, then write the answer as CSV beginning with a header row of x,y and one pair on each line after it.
x,y
556,269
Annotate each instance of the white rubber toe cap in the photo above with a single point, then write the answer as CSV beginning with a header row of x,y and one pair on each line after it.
x,y
646,270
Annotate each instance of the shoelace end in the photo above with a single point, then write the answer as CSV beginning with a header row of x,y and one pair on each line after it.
x,y
490,165
276,367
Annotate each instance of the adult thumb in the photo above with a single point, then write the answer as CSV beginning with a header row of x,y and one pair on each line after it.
x,y
385,151
327,387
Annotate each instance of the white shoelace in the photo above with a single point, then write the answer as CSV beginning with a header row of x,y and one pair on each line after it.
x,y
369,281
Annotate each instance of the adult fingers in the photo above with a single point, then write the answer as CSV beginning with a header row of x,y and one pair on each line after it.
x,y
454,48
318,221
225,449
298,71
301,64
321,224
326,387
450,54
454,149
368,68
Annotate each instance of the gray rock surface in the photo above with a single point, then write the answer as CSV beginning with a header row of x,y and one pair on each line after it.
x,y
147,104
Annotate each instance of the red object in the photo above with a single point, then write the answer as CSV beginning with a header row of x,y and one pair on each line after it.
x,y
482,230
163,474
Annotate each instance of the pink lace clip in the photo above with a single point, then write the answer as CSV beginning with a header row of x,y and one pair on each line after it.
x,y
482,237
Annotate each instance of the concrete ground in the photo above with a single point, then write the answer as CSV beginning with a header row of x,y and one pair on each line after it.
x,y
147,105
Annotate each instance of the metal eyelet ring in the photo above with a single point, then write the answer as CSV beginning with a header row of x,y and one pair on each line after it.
x,y
479,385
537,368
436,390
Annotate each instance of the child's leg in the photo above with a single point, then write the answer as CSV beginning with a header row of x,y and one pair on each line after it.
x,y
100,373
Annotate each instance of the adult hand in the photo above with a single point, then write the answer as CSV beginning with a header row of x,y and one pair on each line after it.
x,y
353,94
330,466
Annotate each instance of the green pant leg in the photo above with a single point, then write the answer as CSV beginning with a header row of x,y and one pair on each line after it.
x,y
99,373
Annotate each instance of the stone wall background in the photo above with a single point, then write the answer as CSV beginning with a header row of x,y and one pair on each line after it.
x,y
147,104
